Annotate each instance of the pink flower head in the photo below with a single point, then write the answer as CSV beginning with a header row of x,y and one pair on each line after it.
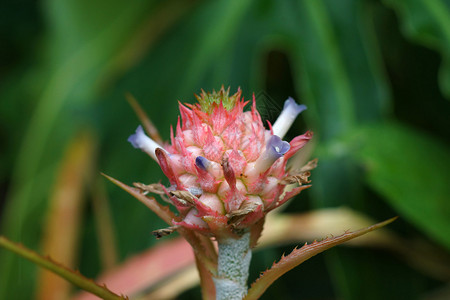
x,y
226,170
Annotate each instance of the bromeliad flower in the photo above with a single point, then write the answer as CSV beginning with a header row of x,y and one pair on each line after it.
x,y
226,170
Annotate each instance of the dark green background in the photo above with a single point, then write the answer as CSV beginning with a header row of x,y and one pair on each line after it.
x,y
375,76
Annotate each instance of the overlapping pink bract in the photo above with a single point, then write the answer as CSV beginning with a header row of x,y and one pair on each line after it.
x,y
225,168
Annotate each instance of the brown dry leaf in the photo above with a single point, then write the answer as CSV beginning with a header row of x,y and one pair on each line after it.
x,y
104,225
283,229
185,196
149,127
180,282
311,165
319,224
155,188
159,233
66,206
161,211
300,179
206,257
156,265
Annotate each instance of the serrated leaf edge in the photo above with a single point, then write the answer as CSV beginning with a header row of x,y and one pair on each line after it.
x,y
75,277
299,255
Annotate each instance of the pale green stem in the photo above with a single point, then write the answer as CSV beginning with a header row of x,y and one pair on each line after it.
x,y
233,268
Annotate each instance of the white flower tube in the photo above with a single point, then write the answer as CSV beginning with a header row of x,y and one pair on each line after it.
x,y
141,141
275,148
290,111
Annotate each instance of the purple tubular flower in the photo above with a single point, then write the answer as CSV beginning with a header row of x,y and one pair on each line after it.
x,y
290,111
275,148
202,163
141,141
290,103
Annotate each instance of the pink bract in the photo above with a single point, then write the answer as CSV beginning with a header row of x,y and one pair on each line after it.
x,y
226,170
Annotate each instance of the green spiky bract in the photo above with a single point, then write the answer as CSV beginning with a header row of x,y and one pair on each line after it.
x,y
209,100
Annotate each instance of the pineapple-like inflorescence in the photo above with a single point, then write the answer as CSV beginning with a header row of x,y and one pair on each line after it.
x,y
226,170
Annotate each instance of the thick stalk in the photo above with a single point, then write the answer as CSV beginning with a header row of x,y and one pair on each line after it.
x,y
232,273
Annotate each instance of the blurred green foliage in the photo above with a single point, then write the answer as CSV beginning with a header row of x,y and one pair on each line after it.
x,y
374,74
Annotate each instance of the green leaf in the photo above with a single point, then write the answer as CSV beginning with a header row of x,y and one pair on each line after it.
x,y
70,275
428,22
220,21
87,45
327,80
411,170
340,76
298,256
